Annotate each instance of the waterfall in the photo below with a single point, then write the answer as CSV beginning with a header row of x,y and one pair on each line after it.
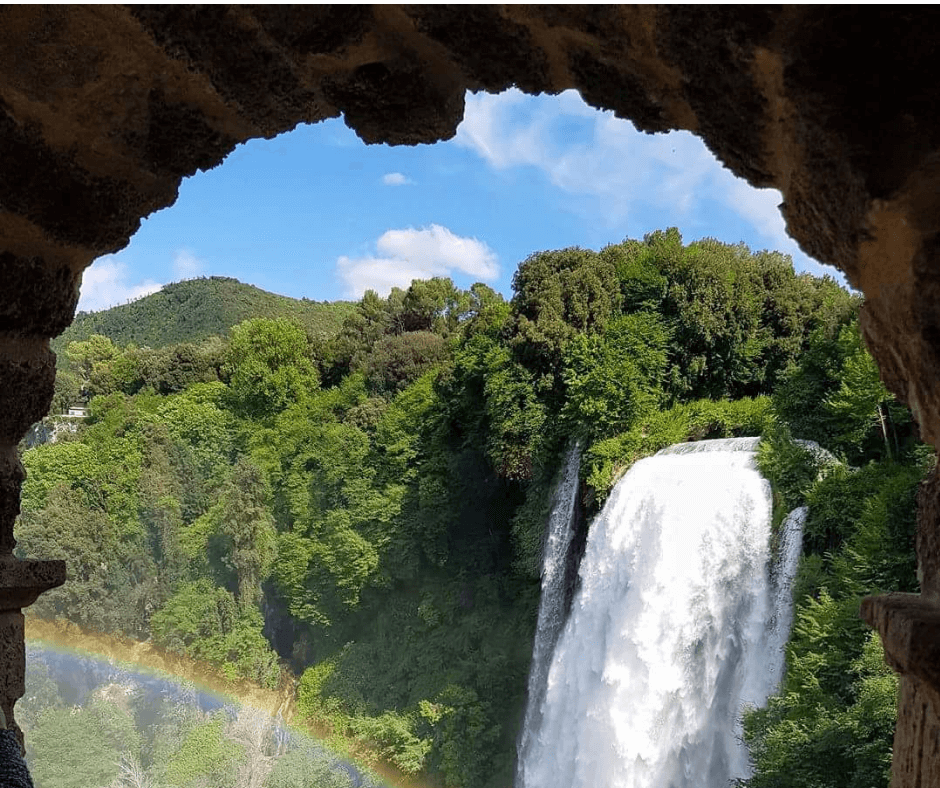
x,y
559,533
679,623
788,561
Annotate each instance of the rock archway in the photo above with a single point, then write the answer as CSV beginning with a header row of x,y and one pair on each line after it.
x,y
103,110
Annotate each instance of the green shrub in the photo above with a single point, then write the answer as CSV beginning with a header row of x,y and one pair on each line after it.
x,y
206,623
606,461
206,757
835,505
792,468
391,738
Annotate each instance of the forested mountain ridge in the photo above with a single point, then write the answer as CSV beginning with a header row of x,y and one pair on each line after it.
x,y
369,509
195,309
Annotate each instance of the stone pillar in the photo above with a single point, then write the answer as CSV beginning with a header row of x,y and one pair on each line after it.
x,y
36,300
910,630
909,625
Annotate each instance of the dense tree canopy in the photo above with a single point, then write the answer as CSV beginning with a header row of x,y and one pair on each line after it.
x,y
367,507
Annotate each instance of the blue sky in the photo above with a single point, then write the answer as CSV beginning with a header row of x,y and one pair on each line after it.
x,y
317,213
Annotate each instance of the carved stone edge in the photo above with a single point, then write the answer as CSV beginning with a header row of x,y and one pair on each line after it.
x,y
22,581
909,625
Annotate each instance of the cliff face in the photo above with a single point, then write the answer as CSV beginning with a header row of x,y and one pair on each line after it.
x,y
103,110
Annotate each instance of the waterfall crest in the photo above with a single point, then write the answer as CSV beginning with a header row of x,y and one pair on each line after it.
x,y
679,623
559,533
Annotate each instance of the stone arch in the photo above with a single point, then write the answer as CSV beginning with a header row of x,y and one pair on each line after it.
x,y
103,110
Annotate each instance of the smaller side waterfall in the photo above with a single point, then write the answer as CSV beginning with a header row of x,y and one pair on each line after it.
x,y
559,533
783,573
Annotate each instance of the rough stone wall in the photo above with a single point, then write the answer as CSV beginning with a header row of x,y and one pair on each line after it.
x,y
103,110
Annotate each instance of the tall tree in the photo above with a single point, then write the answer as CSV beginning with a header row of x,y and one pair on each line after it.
x,y
111,577
556,295
90,357
269,366
246,526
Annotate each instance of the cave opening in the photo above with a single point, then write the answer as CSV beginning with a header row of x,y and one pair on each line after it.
x,y
105,110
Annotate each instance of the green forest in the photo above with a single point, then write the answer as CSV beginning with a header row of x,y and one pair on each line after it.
x,y
361,503
196,309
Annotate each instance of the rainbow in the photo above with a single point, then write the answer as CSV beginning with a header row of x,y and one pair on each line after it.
x,y
145,658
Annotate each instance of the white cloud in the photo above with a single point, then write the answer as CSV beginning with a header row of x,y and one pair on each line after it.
x,y
186,265
594,154
586,152
105,284
396,179
403,255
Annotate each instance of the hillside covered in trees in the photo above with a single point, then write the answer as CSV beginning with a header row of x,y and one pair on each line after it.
x,y
196,309
366,508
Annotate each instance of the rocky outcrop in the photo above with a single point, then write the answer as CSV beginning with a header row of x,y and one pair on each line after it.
x,y
103,110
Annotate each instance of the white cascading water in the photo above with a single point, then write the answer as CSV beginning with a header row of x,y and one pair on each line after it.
x,y
789,551
676,627
559,534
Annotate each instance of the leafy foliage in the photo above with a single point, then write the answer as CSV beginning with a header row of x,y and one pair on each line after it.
x,y
833,744
359,491
607,460
269,367
88,726
305,767
205,622
834,396
400,359
614,379
206,758
832,724
82,746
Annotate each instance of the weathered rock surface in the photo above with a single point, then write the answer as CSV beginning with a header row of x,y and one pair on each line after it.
x,y
103,110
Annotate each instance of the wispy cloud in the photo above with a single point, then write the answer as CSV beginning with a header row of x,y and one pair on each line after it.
x,y
186,265
396,179
586,152
106,283
403,255
620,170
